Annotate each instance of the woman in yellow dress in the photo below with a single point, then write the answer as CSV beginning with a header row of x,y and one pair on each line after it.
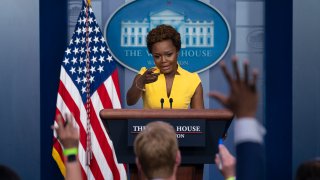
x,y
167,84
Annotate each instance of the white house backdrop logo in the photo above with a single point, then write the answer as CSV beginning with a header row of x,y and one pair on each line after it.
x,y
193,33
205,34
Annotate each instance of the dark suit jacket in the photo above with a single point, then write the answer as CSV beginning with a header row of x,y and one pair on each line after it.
x,y
250,161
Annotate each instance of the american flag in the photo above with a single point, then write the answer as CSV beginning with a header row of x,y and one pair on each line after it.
x,y
89,83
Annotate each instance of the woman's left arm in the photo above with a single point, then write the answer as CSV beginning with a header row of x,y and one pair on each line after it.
x,y
197,98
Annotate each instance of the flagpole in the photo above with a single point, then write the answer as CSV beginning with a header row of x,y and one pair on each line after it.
x,y
88,88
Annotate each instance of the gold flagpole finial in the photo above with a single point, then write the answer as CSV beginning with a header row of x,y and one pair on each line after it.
x,y
88,2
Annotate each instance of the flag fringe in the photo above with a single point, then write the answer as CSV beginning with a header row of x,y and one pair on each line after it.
x,y
57,158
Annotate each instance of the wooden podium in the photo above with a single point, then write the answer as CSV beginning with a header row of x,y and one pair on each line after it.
x,y
118,123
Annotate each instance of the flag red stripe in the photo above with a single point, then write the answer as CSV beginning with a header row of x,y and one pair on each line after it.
x,y
103,94
64,93
58,148
95,169
59,113
115,80
107,151
83,173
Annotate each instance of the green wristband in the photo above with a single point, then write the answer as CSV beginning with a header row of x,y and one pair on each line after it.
x,y
231,178
70,151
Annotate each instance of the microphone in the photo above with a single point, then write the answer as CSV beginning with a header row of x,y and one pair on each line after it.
x,y
171,101
161,101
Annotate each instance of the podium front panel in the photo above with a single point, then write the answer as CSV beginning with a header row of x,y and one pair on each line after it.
x,y
118,132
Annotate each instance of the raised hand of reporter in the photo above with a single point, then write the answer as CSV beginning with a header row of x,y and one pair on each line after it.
x,y
227,161
67,134
243,97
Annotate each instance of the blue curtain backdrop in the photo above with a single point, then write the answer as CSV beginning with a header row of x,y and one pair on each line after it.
x,y
53,41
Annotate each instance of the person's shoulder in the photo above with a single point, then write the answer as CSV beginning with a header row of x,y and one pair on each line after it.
x,y
184,72
192,75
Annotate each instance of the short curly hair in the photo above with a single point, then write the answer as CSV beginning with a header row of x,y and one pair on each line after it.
x,y
163,32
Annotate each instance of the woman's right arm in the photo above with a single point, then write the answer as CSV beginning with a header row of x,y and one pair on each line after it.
x,y
138,85
135,91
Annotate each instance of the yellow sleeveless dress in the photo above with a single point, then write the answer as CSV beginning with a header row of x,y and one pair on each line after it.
x,y
183,88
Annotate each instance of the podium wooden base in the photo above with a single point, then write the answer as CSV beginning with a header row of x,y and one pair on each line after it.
x,y
185,172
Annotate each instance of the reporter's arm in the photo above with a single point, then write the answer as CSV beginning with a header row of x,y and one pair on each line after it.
x,y
226,163
243,102
248,129
68,136
73,169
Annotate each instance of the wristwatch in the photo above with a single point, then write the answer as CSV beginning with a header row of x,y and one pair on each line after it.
x,y
71,158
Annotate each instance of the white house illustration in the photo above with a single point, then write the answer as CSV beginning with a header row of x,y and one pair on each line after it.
x,y
194,33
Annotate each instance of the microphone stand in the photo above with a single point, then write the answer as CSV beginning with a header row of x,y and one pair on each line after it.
x,y
161,101
171,101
